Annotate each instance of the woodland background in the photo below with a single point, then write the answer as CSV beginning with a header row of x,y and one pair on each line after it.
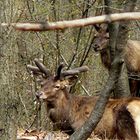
x,y
71,46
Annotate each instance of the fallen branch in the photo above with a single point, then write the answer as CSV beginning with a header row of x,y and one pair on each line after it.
x,y
74,23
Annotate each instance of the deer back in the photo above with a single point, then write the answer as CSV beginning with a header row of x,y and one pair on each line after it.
x,y
132,55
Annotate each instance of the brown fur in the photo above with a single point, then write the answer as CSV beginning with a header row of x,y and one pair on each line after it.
x,y
131,57
69,112
125,125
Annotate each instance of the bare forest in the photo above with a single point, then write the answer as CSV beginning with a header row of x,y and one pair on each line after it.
x,y
20,111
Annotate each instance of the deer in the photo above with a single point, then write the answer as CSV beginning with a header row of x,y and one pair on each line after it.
x,y
131,55
68,111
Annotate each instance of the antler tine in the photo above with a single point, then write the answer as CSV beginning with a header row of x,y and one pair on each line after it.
x,y
58,73
42,68
34,69
74,71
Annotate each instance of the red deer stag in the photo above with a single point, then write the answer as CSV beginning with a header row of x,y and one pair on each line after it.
x,y
131,57
120,120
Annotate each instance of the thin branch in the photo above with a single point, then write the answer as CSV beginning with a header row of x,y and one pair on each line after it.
x,y
85,90
84,15
87,48
74,23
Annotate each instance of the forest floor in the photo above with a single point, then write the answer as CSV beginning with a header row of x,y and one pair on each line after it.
x,y
46,135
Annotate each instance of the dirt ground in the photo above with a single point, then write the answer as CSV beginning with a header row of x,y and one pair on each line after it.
x,y
45,135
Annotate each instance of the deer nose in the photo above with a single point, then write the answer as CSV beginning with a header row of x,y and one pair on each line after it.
x,y
38,94
96,46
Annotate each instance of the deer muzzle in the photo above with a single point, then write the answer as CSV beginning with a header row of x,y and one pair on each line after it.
x,y
96,47
39,94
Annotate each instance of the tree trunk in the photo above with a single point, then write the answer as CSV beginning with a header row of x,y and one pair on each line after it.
x,y
84,132
8,67
8,95
122,86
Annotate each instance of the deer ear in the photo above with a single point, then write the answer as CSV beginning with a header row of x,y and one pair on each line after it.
x,y
107,35
64,83
72,79
69,81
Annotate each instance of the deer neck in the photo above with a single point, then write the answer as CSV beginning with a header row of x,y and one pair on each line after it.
x,y
64,100
58,108
105,58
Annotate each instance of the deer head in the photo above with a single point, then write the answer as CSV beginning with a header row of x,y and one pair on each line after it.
x,y
53,85
101,39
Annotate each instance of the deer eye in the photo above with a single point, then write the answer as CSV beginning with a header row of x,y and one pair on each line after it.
x,y
57,86
41,84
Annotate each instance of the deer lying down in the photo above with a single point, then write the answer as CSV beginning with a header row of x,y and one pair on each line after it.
x,y
121,118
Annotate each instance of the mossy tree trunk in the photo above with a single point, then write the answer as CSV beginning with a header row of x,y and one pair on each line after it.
x,y
8,95
117,43
8,69
122,86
